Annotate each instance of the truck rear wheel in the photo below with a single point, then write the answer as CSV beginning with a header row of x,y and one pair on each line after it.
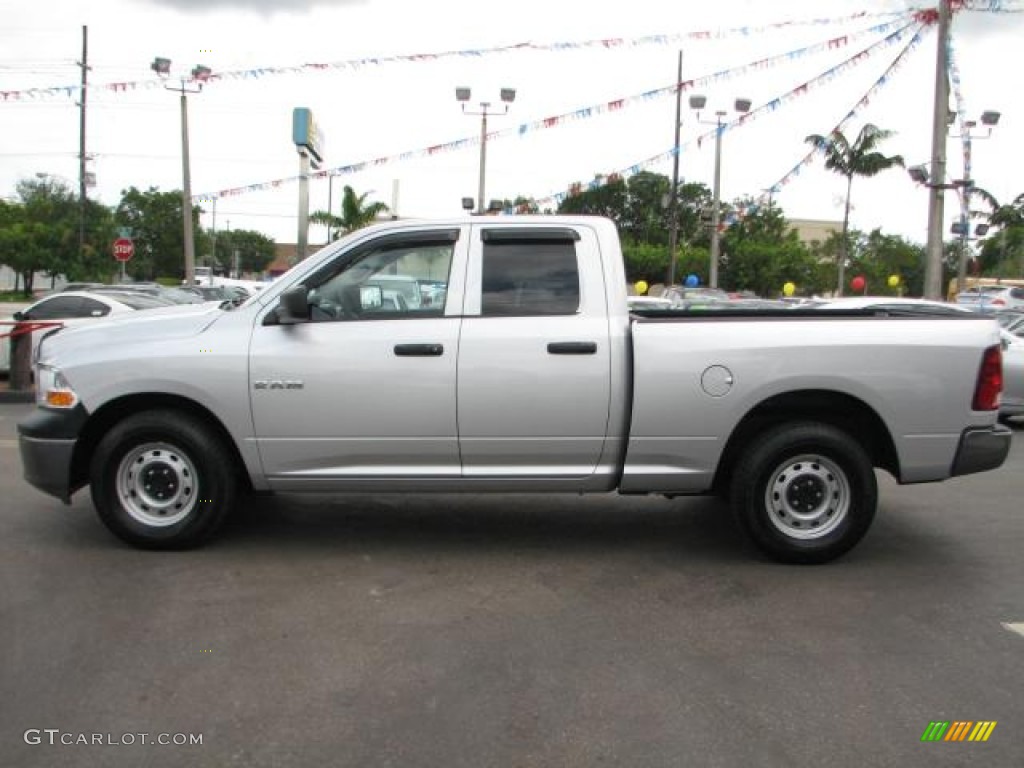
x,y
162,479
804,492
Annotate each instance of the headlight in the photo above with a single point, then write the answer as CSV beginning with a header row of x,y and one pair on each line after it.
x,y
52,389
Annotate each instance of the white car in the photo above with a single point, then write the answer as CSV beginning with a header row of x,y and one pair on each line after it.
x,y
893,304
991,298
73,308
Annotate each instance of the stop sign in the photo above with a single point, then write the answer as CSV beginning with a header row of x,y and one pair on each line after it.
x,y
124,249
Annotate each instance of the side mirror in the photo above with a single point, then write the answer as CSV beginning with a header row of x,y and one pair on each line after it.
x,y
294,306
19,317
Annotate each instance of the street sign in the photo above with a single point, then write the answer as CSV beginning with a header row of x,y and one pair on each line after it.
x,y
124,249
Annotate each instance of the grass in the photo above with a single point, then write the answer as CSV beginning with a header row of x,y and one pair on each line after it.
x,y
12,297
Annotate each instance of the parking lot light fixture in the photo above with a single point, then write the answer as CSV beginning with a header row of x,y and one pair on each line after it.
x,y
463,94
741,106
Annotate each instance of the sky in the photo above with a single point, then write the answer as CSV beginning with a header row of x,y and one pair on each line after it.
x,y
376,100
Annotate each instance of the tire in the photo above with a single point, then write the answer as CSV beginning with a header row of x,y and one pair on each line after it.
x,y
804,492
162,479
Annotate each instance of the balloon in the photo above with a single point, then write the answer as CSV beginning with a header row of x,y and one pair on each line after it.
x,y
789,289
692,281
858,283
640,287
894,280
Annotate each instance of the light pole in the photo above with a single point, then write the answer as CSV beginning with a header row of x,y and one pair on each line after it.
x,y
330,202
462,95
963,230
740,105
965,187
989,119
199,75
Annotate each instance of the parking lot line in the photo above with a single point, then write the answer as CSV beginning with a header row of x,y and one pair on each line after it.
x,y
1018,628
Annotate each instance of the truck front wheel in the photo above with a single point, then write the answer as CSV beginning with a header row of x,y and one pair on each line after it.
x,y
162,479
804,492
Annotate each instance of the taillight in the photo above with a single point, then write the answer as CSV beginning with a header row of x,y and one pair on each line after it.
x,y
998,302
990,381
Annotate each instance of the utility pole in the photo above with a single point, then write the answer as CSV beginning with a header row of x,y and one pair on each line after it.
x,y
186,194
213,243
84,64
933,260
673,195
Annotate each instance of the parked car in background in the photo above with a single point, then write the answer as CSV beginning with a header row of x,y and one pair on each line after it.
x,y
233,293
991,298
74,308
892,305
1011,320
174,295
1012,402
649,302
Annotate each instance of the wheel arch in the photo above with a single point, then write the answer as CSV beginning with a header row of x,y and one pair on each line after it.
x,y
101,421
846,412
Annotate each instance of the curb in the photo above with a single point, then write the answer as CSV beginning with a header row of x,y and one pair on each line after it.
x,y
17,396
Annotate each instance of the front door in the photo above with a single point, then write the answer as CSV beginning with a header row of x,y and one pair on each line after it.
x,y
366,389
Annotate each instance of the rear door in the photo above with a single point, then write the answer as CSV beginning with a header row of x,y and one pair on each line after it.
x,y
534,369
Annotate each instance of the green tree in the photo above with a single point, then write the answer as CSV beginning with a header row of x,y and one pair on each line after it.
x,y
356,213
761,253
861,158
877,257
599,198
1002,254
155,220
39,232
254,249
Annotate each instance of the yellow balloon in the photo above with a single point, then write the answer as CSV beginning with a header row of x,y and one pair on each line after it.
x,y
894,280
789,289
640,287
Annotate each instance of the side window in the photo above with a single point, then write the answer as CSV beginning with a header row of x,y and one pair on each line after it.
x,y
93,308
390,280
529,277
59,307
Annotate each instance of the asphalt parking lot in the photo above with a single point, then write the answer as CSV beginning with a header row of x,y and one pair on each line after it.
x,y
511,631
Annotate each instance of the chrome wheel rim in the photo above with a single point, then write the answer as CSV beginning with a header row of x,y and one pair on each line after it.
x,y
156,484
807,497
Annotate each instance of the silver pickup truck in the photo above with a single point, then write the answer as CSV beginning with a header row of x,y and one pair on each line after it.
x,y
518,368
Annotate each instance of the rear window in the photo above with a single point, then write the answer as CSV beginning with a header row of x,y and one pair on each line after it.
x,y
530,278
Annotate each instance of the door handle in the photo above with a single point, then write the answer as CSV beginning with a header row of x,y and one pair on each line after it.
x,y
419,350
572,348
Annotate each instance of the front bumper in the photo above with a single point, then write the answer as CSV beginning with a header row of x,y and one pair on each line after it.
x,y
982,449
46,439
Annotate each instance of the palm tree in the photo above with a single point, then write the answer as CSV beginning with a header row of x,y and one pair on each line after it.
x,y
858,159
1006,218
356,213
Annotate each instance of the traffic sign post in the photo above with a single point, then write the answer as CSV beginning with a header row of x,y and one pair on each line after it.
x,y
124,249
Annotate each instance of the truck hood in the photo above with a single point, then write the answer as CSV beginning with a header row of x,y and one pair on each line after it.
x,y
143,325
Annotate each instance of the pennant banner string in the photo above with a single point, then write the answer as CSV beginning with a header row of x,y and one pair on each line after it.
x,y
953,71
72,91
769,106
581,113
862,102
